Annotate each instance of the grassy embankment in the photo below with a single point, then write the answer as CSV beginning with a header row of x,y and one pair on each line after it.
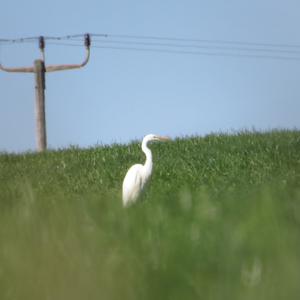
x,y
220,220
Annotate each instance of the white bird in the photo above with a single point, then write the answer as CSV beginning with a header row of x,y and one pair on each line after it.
x,y
138,175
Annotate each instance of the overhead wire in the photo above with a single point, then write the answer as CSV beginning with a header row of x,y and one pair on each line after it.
x,y
176,39
212,47
145,37
174,51
199,53
172,45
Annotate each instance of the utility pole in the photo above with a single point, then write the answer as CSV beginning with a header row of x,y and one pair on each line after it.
x,y
39,69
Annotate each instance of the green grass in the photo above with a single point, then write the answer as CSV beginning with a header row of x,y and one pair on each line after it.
x,y
220,220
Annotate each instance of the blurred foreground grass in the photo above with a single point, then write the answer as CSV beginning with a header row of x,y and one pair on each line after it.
x,y
220,220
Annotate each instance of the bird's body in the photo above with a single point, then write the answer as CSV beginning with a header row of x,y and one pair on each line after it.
x,y
138,175
134,182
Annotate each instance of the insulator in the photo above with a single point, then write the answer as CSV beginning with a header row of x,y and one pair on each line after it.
x,y
87,40
41,43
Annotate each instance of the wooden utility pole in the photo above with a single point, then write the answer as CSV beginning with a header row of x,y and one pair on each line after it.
x,y
40,115
39,69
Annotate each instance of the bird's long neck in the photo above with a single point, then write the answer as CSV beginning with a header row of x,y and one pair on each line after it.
x,y
148,153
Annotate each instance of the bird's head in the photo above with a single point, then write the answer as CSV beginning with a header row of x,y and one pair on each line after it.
x,y
155,137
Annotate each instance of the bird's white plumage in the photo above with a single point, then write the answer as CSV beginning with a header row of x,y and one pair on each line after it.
x,y
133,184
138,175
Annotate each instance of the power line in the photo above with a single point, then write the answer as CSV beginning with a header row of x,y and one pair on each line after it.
x,y
199,53
185,46
185,52
157,38
160,38
211,47
35,38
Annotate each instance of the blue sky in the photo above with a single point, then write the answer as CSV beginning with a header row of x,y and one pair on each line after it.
x,y
123,95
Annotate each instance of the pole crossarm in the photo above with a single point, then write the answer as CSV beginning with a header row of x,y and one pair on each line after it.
x,y
54,68
51,68
20,69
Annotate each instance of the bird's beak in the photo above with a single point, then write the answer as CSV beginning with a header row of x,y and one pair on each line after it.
x,y
164,138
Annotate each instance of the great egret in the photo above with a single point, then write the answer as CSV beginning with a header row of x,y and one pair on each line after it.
x,y
138,175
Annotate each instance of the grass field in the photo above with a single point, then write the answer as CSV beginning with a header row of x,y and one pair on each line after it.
x,y
220,220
